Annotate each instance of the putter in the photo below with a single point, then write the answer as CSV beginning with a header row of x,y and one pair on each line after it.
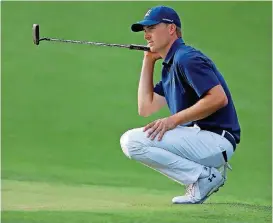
x,y
37,40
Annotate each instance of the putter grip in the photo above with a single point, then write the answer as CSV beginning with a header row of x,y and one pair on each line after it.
x,y
139,47
35,34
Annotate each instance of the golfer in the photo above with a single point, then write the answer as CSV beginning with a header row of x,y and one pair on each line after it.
x,y
202,132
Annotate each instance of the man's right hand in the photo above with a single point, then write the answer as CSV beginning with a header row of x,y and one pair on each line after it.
x,y
153,56
148,101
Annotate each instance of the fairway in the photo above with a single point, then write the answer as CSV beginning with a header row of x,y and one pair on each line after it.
x,y
65,106
85,203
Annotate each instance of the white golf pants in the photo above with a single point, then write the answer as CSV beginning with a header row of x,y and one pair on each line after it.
x,y
181,154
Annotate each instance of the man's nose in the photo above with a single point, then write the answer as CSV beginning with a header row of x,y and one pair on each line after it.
x,y
147,36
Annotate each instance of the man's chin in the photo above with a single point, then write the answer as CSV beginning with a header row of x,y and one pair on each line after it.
x,y
153,49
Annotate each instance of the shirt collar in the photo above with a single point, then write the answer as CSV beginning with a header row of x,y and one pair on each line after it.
x,y
172,50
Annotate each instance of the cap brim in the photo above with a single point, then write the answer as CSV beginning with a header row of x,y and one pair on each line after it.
x,y
137,27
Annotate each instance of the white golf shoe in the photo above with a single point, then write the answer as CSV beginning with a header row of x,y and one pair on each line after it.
x,y
199,191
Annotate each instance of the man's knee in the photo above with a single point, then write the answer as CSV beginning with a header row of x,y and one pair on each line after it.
x,y
132,141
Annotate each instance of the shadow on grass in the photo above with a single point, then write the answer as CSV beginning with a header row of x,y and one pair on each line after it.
x,y
237,204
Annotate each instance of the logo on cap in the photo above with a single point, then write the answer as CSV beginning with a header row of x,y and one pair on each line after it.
x,y
168,20
148,13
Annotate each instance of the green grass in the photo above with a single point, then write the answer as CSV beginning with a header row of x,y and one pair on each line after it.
x,y
65,106
84,203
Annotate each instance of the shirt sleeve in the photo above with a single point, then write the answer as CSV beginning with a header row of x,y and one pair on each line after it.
x,y
158,88
200,75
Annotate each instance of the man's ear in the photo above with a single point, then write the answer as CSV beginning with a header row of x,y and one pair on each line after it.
x,y
172,28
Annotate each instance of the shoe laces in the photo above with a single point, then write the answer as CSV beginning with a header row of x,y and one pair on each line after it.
x,y
189,190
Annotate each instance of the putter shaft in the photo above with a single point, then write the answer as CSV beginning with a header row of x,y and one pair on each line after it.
x,y
37,39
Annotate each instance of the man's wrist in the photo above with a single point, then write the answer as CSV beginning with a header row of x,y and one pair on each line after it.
x,y
149,59
176,119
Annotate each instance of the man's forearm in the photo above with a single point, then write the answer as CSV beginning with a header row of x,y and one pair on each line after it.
x,y
202,109
145,88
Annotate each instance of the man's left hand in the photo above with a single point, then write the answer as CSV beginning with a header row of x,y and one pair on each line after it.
x,y
159,127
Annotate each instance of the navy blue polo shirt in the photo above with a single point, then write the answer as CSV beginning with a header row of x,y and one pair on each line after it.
x,y
187,75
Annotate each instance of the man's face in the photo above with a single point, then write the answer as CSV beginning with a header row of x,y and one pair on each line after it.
x,y
157,36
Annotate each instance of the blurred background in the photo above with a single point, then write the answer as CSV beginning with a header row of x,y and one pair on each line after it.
x,y
65,106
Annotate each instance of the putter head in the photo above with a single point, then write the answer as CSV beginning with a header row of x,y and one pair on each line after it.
x,y
35,34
